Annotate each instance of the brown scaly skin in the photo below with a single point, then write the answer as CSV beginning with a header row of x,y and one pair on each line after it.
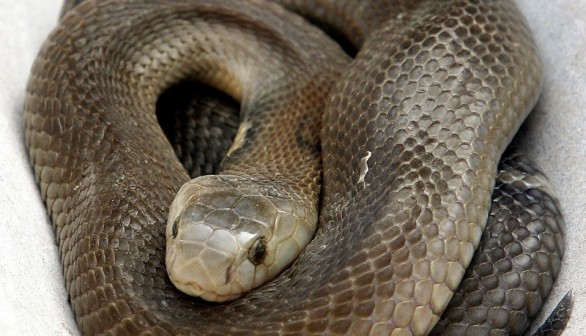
x,y
447,87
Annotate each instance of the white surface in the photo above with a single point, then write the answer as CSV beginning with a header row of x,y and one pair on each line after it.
x,y
32,292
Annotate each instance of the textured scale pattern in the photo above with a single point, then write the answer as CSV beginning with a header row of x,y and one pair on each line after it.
x,y
200,129
517,261
436,92
436,109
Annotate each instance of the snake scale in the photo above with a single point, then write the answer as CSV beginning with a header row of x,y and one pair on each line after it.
x,y
409,135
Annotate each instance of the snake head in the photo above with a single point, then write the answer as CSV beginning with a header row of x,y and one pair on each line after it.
x,y
225,239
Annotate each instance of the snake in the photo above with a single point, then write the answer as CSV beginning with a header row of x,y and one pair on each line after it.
x,y
378,169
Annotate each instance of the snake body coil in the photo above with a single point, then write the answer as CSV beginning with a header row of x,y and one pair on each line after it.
x,y
410,138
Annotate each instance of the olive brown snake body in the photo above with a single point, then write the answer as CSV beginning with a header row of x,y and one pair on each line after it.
x,y
445,150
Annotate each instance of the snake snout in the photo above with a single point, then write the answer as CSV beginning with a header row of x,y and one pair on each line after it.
x,y
190,259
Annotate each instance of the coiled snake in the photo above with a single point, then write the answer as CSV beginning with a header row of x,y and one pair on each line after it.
x,y
409,136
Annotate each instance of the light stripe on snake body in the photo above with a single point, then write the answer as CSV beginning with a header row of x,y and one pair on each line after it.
x,y
431,101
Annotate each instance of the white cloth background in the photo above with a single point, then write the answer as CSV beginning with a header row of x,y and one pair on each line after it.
x,y
32,292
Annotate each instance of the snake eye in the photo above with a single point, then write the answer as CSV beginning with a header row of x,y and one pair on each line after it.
x,y
257,252
174,229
